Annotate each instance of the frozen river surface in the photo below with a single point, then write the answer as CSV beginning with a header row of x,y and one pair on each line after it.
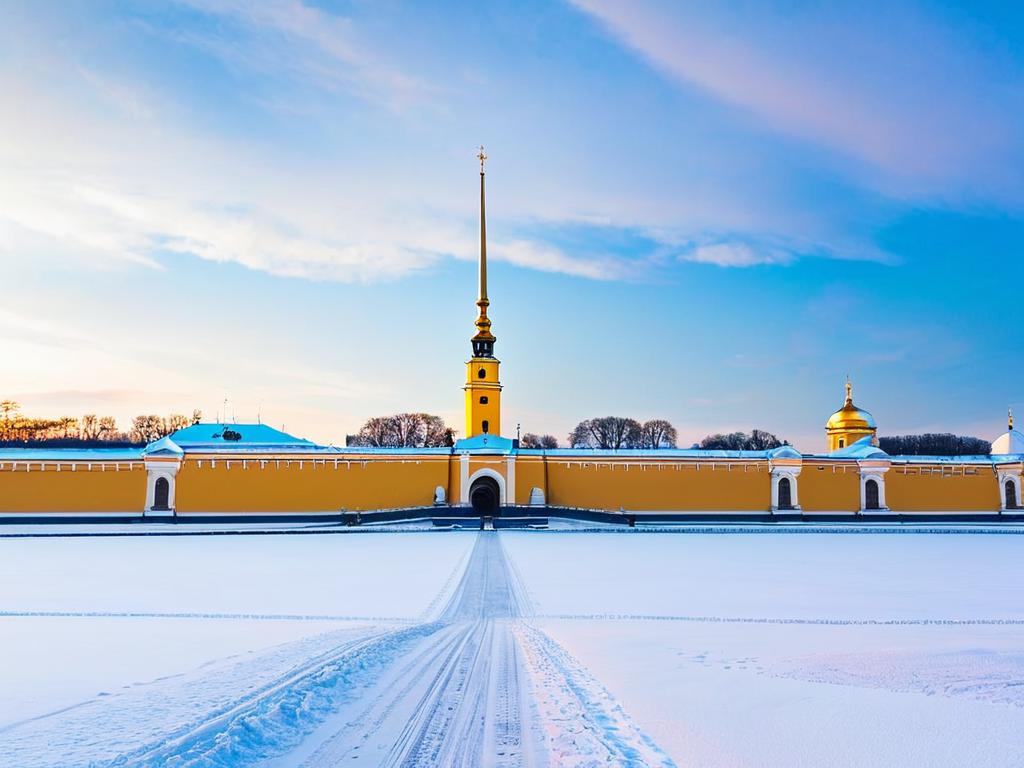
x,y
513,649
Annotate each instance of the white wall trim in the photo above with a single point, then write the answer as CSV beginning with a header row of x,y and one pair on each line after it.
x,y
464,479
511,473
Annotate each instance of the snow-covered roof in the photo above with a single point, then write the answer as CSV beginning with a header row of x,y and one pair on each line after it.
x,y
235,436
965,459
861,449
485,442
785,452
1008,443
163,447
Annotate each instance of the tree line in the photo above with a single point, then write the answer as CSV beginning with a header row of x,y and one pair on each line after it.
x,y
757,440
621,432
934,444
89,430
403,430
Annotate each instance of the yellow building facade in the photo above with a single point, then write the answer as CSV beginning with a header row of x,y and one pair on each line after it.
x,y
252,471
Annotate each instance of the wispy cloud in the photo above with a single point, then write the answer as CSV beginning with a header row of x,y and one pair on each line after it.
x,y
884,85
323,48
737,255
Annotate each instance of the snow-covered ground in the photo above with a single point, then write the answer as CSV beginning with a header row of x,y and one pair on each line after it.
x,y
513,648
815,649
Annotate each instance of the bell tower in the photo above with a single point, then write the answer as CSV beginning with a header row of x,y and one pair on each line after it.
x,y
483,389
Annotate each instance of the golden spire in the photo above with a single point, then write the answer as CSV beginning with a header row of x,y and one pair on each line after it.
x,y
483,341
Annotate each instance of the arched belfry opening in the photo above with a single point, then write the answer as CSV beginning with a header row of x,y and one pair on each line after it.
x,y
785,493
161,494
1010,491
485,497
871,494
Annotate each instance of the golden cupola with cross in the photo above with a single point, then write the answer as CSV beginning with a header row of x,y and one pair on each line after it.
x,y
483,388
850,424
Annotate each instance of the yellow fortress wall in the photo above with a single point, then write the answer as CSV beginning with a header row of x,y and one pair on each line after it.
x,y
829,486
652,486
942,488
306,484
73,488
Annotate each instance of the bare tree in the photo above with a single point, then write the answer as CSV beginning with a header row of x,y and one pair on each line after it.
x,y
9,411
657,433
607,432
532,440
107,429
89,427
437,434
404,430
410,431
757,440
174,422
375,433
147,428
580,436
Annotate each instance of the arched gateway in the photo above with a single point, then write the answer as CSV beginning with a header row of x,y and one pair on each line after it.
x,y
485,496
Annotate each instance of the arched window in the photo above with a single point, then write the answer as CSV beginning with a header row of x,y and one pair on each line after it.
x,y
785,494
871,494
482,373
842,443
483,400
1011,494
486,426
161,494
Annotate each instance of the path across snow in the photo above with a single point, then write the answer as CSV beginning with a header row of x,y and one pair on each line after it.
x,y
476,686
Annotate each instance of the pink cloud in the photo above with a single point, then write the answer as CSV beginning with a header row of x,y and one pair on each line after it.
x,y
886,87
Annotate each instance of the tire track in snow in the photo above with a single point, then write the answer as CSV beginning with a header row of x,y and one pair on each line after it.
x,y
464,690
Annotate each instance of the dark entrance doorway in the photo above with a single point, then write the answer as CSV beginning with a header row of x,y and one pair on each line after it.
x,y
871,494
485,496
161,492
785,494
1011,494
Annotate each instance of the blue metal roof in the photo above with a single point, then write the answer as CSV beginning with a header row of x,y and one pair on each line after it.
x,y
212,435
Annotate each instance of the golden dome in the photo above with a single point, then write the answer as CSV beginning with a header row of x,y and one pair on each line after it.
x,y
850,417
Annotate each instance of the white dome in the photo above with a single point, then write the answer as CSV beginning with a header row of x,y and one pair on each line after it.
x,y
1008,442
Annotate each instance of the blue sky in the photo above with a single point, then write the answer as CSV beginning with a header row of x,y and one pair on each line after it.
x,y
707,214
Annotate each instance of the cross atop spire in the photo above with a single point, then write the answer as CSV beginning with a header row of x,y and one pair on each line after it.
x,y
481,157
1009,417
849,390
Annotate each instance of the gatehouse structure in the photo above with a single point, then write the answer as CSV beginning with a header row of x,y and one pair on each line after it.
x,y
253,471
